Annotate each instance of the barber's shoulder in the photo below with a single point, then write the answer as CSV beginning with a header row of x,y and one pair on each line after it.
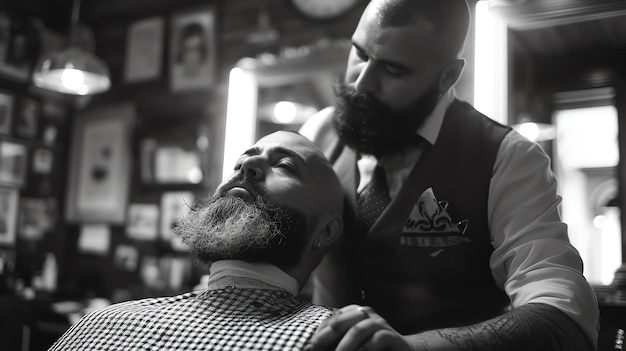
x,y
319,127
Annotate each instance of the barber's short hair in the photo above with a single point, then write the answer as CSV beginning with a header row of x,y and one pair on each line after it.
x,y
450,18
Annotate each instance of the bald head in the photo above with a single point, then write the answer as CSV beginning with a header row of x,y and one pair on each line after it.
x,y
319,178
448,19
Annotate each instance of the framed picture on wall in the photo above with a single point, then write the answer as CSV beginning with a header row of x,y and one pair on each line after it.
x,y
193,51
36,217
42,161
143,221
6,112
12,163
174,204
173,154
27,117
8,215
100,165
19,44
144,50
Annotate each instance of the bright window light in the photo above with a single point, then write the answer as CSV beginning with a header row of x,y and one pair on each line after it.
x,y
587,137
587,154
240,117
490,64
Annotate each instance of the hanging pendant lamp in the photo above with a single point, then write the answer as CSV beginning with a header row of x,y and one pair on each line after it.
x,y
73,70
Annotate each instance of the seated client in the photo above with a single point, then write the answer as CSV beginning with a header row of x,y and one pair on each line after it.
x,y
263,232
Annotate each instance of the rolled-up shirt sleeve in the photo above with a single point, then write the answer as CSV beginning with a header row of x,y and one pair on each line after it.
x,y
534,261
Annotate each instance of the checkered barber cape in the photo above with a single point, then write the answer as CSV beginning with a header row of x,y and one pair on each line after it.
x,y
220,320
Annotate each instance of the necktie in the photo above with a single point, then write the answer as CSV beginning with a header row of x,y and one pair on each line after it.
x,y
373,199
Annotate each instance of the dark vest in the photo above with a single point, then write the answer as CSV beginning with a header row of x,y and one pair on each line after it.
x,y
437,275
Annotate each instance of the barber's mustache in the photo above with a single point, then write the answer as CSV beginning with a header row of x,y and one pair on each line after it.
x,y
351,94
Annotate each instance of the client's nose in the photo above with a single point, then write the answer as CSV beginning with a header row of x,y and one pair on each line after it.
x,y
252,167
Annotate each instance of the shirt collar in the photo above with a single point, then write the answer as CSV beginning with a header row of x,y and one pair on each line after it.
x,y
262,272
432,125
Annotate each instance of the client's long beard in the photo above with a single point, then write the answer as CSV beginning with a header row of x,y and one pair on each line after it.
x,y
370,126
226,227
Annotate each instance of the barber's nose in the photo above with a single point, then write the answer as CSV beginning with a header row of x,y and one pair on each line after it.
x,y
253,167
366,80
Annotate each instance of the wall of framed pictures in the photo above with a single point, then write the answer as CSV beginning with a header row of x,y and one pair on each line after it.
x,y
33,127
29,148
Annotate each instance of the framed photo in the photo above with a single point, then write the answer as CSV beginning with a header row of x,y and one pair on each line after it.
x,y
143,221
12,163
18,47
100,165
193,51
6,112
42,161
126,257
174,204
173,155
8,215
144,50
27,117
37,217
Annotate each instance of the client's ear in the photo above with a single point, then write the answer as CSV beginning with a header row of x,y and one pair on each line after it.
x,y
330,229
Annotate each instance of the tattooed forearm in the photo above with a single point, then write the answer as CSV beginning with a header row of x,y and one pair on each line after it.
x,y
497,333
531,327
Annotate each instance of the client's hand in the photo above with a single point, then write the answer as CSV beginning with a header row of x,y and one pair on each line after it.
x,y
356,328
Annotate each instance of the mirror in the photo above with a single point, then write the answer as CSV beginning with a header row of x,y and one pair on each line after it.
x,y
291,91
270,93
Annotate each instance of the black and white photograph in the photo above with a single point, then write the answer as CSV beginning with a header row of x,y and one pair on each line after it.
x,y
13,163
193,55
8,215
6,112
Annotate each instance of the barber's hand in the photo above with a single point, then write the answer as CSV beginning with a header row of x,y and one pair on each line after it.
x,y
356,328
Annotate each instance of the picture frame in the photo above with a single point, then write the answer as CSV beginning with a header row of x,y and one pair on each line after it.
x,y
6,112
27,117
144,50
13,163
18,47
42,161
100,166
143,221
174,204
36,217
8,215
193,50
173,155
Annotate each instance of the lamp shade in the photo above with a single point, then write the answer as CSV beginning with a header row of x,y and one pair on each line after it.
x,y
72,70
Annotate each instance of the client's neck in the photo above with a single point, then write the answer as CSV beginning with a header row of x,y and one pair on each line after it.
x,y
254,275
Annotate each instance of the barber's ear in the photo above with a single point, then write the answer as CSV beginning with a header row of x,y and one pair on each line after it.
x,y
331,229
451,74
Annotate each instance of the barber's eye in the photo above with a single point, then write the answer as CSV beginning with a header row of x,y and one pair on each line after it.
x,y
361,55
394,71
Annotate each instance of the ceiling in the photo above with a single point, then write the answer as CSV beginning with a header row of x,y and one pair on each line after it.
x,y
552,29
548,28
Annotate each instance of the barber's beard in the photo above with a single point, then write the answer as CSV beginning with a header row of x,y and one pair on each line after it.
x,y
227,227
370,126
